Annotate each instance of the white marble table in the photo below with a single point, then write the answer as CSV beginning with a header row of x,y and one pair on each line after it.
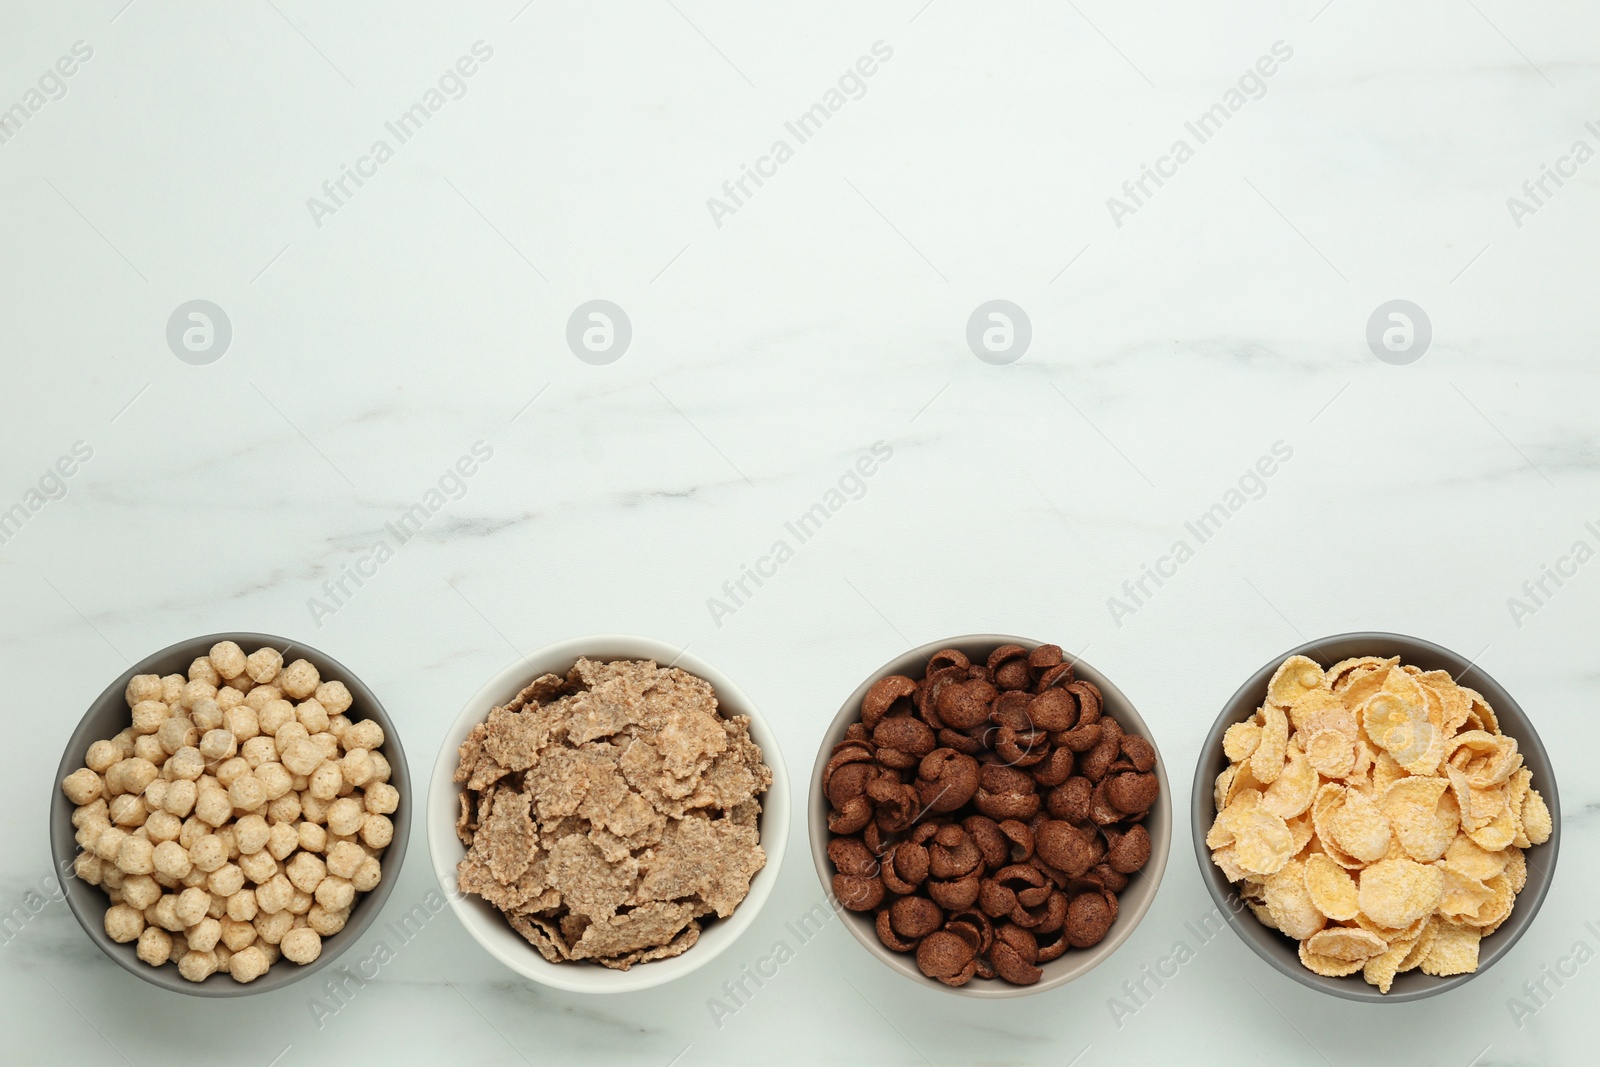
x,y
1178,334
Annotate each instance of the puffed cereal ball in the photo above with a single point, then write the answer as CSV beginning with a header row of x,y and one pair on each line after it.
x,y
192,906
148,746
208,853
229,697
204,935
325,921
130,776
165,914
155,946
334,696
251,833
262,665
213,807
364,734
273,896
172,688
301,757
110,877
203,670
242,907
282,839
259,867
124,923
140,891
313,838
367,875
237,934
109,843
334,892
312,715
344,857
226,880
199,690
262,695
195,878
376,831
228,659
88,867
148,715
101,756
82,786
135,856
242,722
217,745
128,810
197,966
206,714
299,904
299,679
301,946
306,871
142,687
286,808
162,826
258,750
344,816
382,799
186,765
356,766
247,793
171,859
275,779
180,797
326,781
230,769
271,926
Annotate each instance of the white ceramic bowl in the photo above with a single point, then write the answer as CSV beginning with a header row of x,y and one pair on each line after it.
x,y
490,929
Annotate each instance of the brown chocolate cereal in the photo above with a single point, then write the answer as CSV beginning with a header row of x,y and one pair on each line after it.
x,y
988,813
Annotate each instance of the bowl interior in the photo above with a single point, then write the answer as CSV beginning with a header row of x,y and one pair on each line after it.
x,y
110,714
1281,951
489,927
1132,903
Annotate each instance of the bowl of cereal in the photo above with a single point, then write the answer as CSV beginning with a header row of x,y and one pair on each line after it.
x,y
1376,817
233,821
608,814
989,816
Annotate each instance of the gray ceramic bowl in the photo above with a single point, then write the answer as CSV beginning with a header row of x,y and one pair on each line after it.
x,y
1280,951
109,714
1132,903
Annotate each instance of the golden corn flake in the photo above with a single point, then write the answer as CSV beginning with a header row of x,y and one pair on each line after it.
x,y
1454,951
1350,943
1382,797
1262,842
1241,740
1331,752
1359,828
1295,677
1332,889
1395,893
1327,966
1536,821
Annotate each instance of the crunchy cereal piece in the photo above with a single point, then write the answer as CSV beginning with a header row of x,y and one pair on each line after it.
x,y
1327,965
1537,823
1381,969
1454,950
1266,762
1294,677
1348,943
1332,889
1423,816
1359,828
514,739
1287,899
1397,892
676,947
542,934
1240,740
507,842
590,886
646,926
1292,791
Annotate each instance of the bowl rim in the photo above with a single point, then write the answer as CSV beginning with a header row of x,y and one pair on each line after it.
x,y
1128,918
368,905
488,928
1231,905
